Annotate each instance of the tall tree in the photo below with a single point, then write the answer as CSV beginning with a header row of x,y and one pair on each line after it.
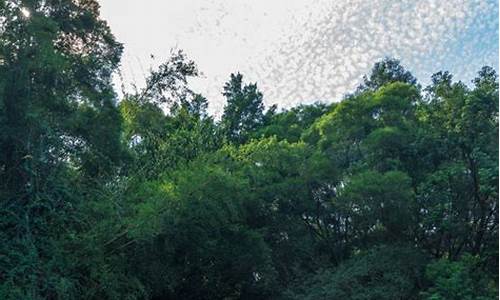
x,y
59,128
167,123
56,92
244,111
386,71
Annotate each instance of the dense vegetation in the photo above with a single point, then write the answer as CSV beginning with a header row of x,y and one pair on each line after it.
x,y
391,193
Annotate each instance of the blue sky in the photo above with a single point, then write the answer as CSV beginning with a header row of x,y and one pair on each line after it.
x,y
301,51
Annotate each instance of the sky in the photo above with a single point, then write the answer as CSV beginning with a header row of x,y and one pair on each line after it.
x,y
302,51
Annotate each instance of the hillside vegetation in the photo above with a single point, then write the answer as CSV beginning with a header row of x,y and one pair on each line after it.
x,y
391,193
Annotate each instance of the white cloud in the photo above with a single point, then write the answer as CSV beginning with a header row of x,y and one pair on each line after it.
x,y
302,51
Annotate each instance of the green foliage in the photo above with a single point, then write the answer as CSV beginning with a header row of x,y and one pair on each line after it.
x,y
59,140
387,71
391,193
378,205
244,111
160,141
290,124
197,238
381,273
459,280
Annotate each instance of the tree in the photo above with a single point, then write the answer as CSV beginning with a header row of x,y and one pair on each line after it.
x,y
452,280
166,123
290,124
460,194
292,186
387,71
59,139
195,241
244,111
167,85
378,206
381,273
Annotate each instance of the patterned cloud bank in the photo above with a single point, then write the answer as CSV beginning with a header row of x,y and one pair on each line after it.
x,y
305,51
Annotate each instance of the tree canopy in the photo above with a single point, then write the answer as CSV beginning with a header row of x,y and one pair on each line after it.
x,y
391,193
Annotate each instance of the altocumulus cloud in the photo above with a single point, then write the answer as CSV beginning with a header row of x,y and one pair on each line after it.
x,y
304,51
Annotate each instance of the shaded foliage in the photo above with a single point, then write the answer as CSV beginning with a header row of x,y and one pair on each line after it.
x,y
391,193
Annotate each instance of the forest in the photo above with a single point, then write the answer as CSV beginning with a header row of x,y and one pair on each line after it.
x,y
391,193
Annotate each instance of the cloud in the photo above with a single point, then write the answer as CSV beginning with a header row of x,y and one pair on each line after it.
x,y
303,51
